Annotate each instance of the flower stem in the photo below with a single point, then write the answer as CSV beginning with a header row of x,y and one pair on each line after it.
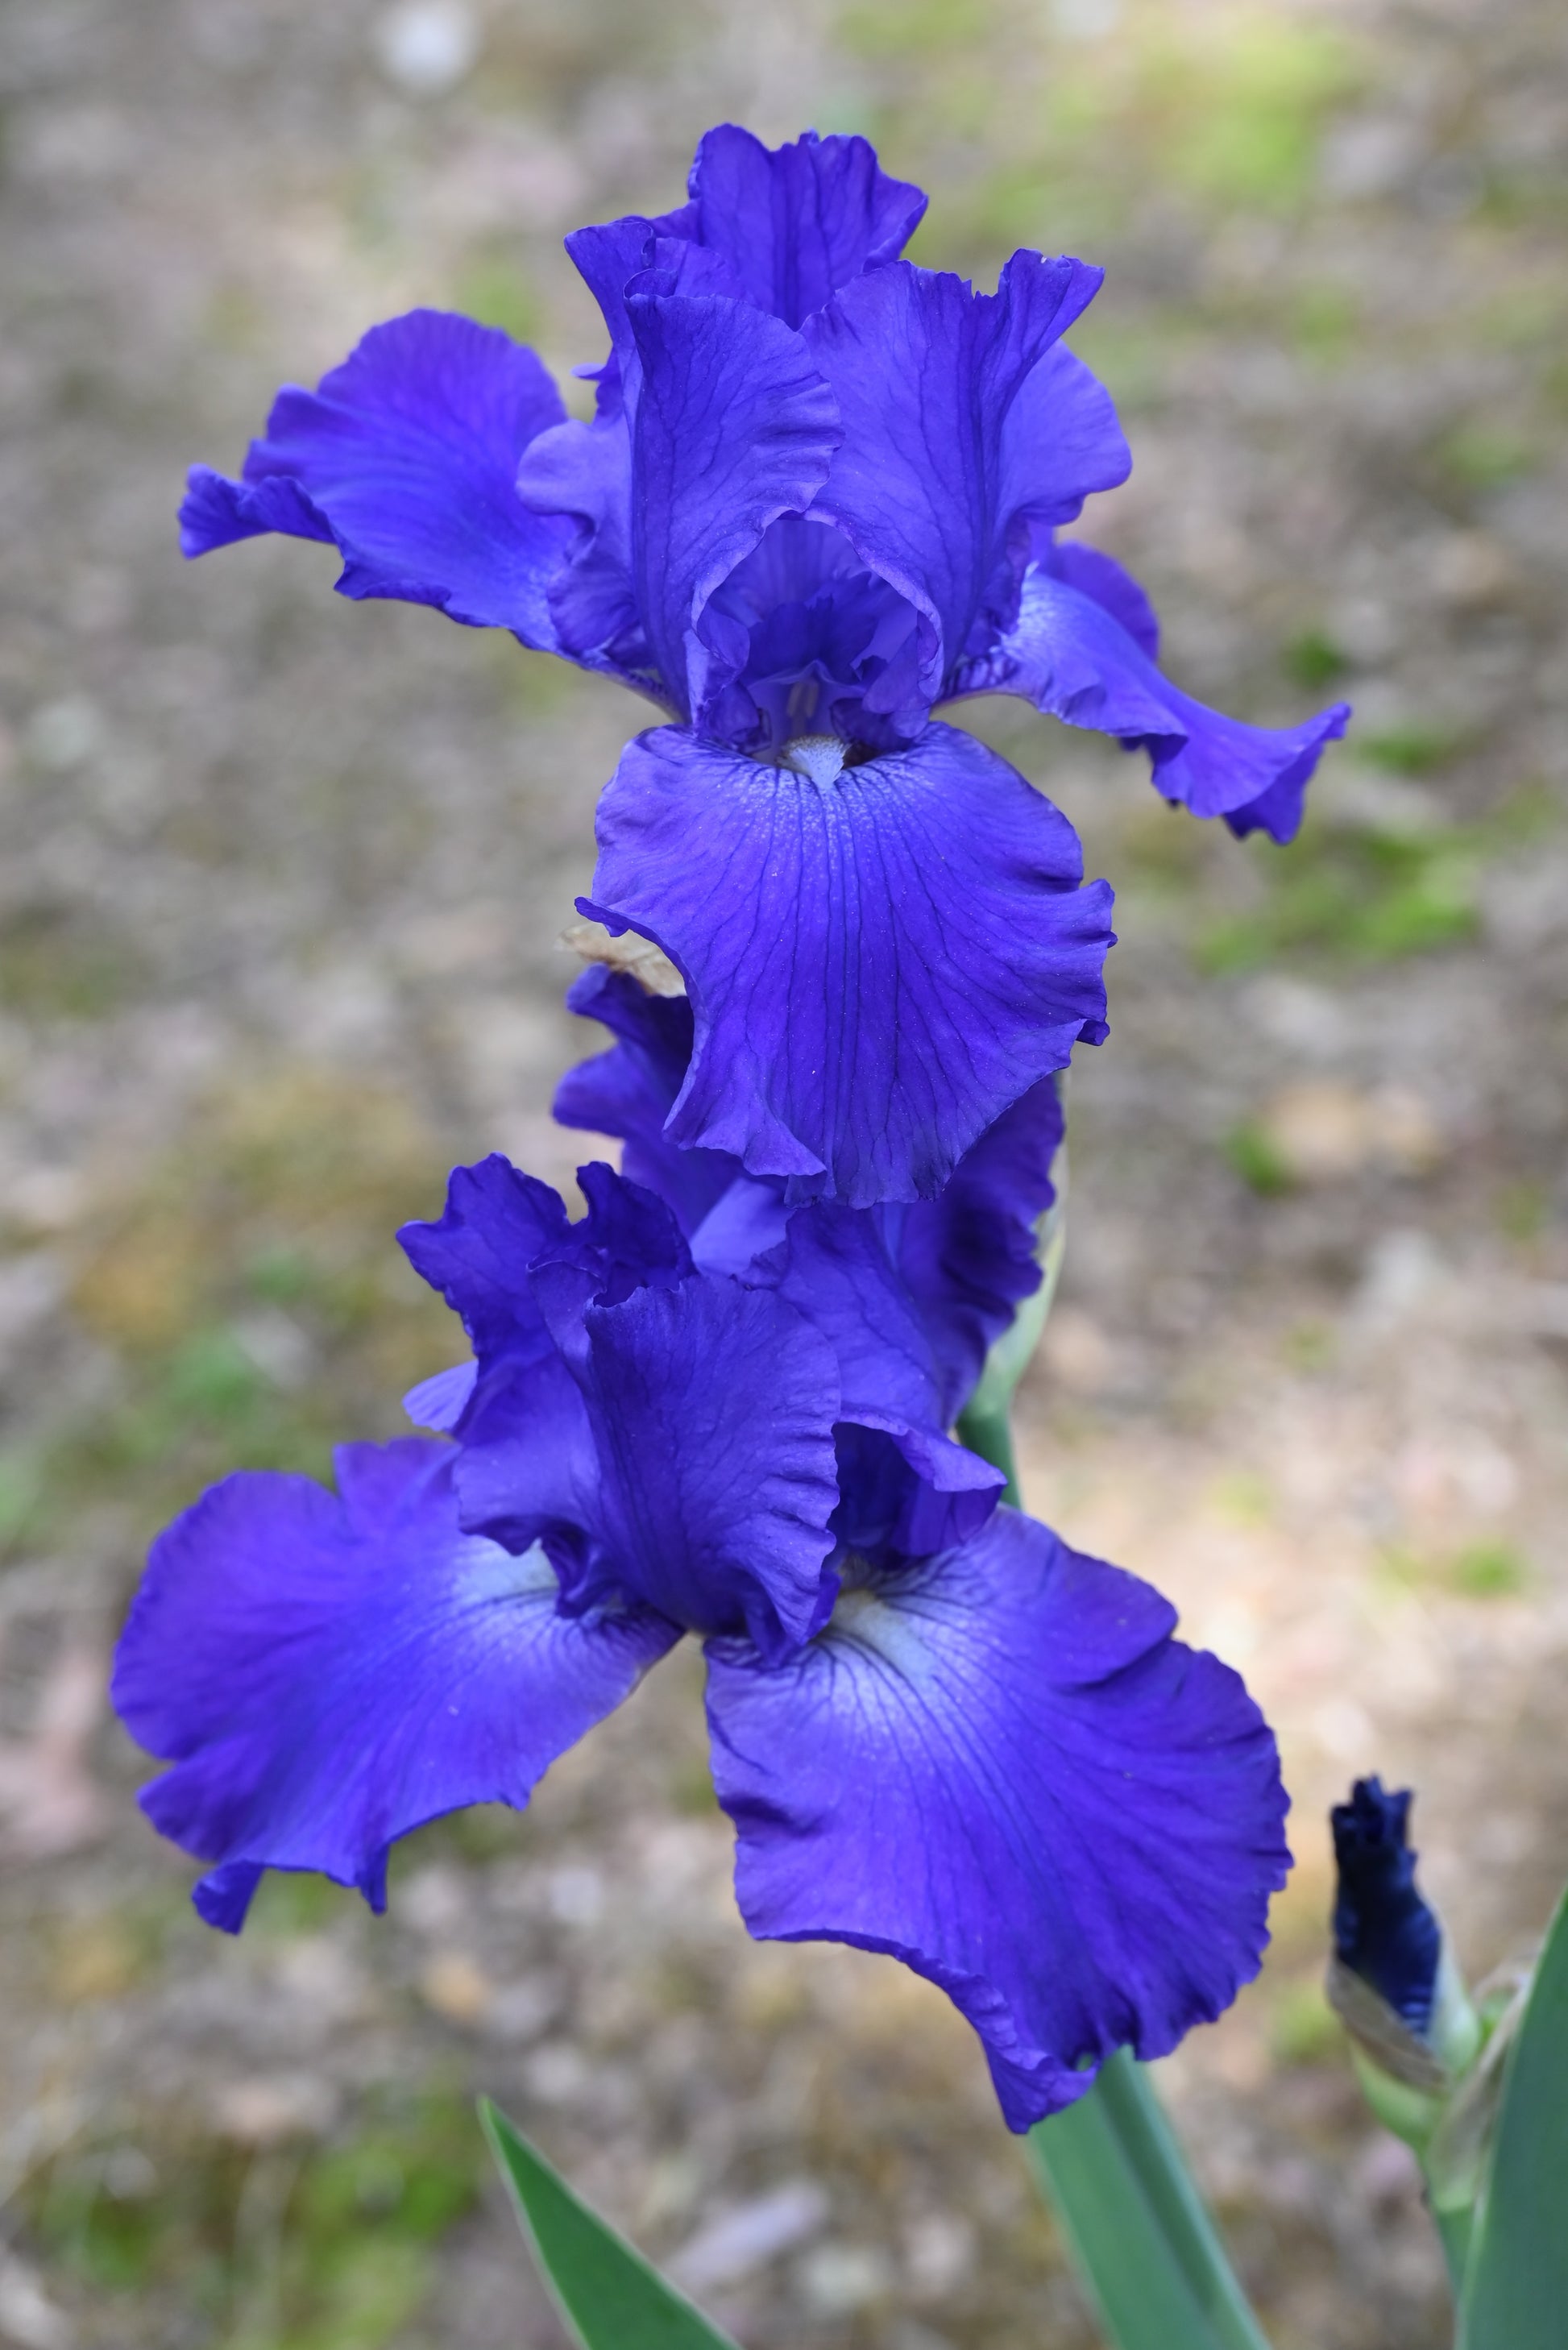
x,y
1111,2166
990,1433
1139,2228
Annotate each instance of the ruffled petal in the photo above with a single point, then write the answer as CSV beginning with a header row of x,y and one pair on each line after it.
x,y
1101,577
792,224
1000,1768
328,1672
629,1091
702,1480
963,1262
797,223
1069,651
519,1273
964,422
584,472
499,1226
907,1491
735,427
879,964
714,1406
968,1259
495,1222
833,1267
407,459
721,425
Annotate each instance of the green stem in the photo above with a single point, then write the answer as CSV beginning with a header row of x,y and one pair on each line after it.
x,y
1139,2228
1136,2221
1456,2229
990,1434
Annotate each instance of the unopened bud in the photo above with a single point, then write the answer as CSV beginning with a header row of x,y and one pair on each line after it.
x,y
1392,1981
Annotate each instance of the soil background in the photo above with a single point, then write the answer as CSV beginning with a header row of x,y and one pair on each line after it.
x,y
284,878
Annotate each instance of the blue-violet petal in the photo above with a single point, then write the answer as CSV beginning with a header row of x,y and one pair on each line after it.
x,y
1000,1768
407,458
879,963
327,1672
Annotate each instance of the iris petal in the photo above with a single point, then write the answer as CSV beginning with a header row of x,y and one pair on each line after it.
x,y
406,458
878,964
963,422
328,1672
723,424
968,1259
692,1467
965,1260
629,1090
1000,1768
797,223
1070,652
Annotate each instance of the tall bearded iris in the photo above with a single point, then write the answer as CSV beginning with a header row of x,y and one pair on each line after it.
x,y
940,1732
819,498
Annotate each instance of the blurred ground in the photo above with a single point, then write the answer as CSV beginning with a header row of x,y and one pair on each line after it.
x,y
282,884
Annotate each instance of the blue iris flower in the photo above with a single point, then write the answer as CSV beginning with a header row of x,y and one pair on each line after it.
x,y
820,498
706,1408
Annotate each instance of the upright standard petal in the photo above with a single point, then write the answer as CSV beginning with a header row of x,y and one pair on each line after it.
x,y
714,1406
328,1672
500,1225
698,1476
498,1254
734,426
720,422
495,1222
1000,1768
793,225
962,1263
407,458
799,222
963,423
879,960
1069,651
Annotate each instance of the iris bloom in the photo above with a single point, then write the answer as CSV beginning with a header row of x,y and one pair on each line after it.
x,y
703,1409
820,498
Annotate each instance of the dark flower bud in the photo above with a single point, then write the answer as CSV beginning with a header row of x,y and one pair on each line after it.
x,y
1391,1980
1383,1930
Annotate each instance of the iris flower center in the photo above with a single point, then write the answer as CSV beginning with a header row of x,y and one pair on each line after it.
x,y
820,756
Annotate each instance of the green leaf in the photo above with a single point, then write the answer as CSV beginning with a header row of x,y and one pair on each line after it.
x,y
1516,2287
1142,2238
611,2298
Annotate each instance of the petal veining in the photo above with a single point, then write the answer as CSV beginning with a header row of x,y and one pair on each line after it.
x,y
877,967
327,1672
406,457
1000,1768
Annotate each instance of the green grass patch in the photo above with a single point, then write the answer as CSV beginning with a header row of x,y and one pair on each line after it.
x,y
1368,893
1488,1570
345,2259
1314,662
1361,897
1253,1154
1308,1346
56,965
1482,455
1409,749
1304,2028
1492,1569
